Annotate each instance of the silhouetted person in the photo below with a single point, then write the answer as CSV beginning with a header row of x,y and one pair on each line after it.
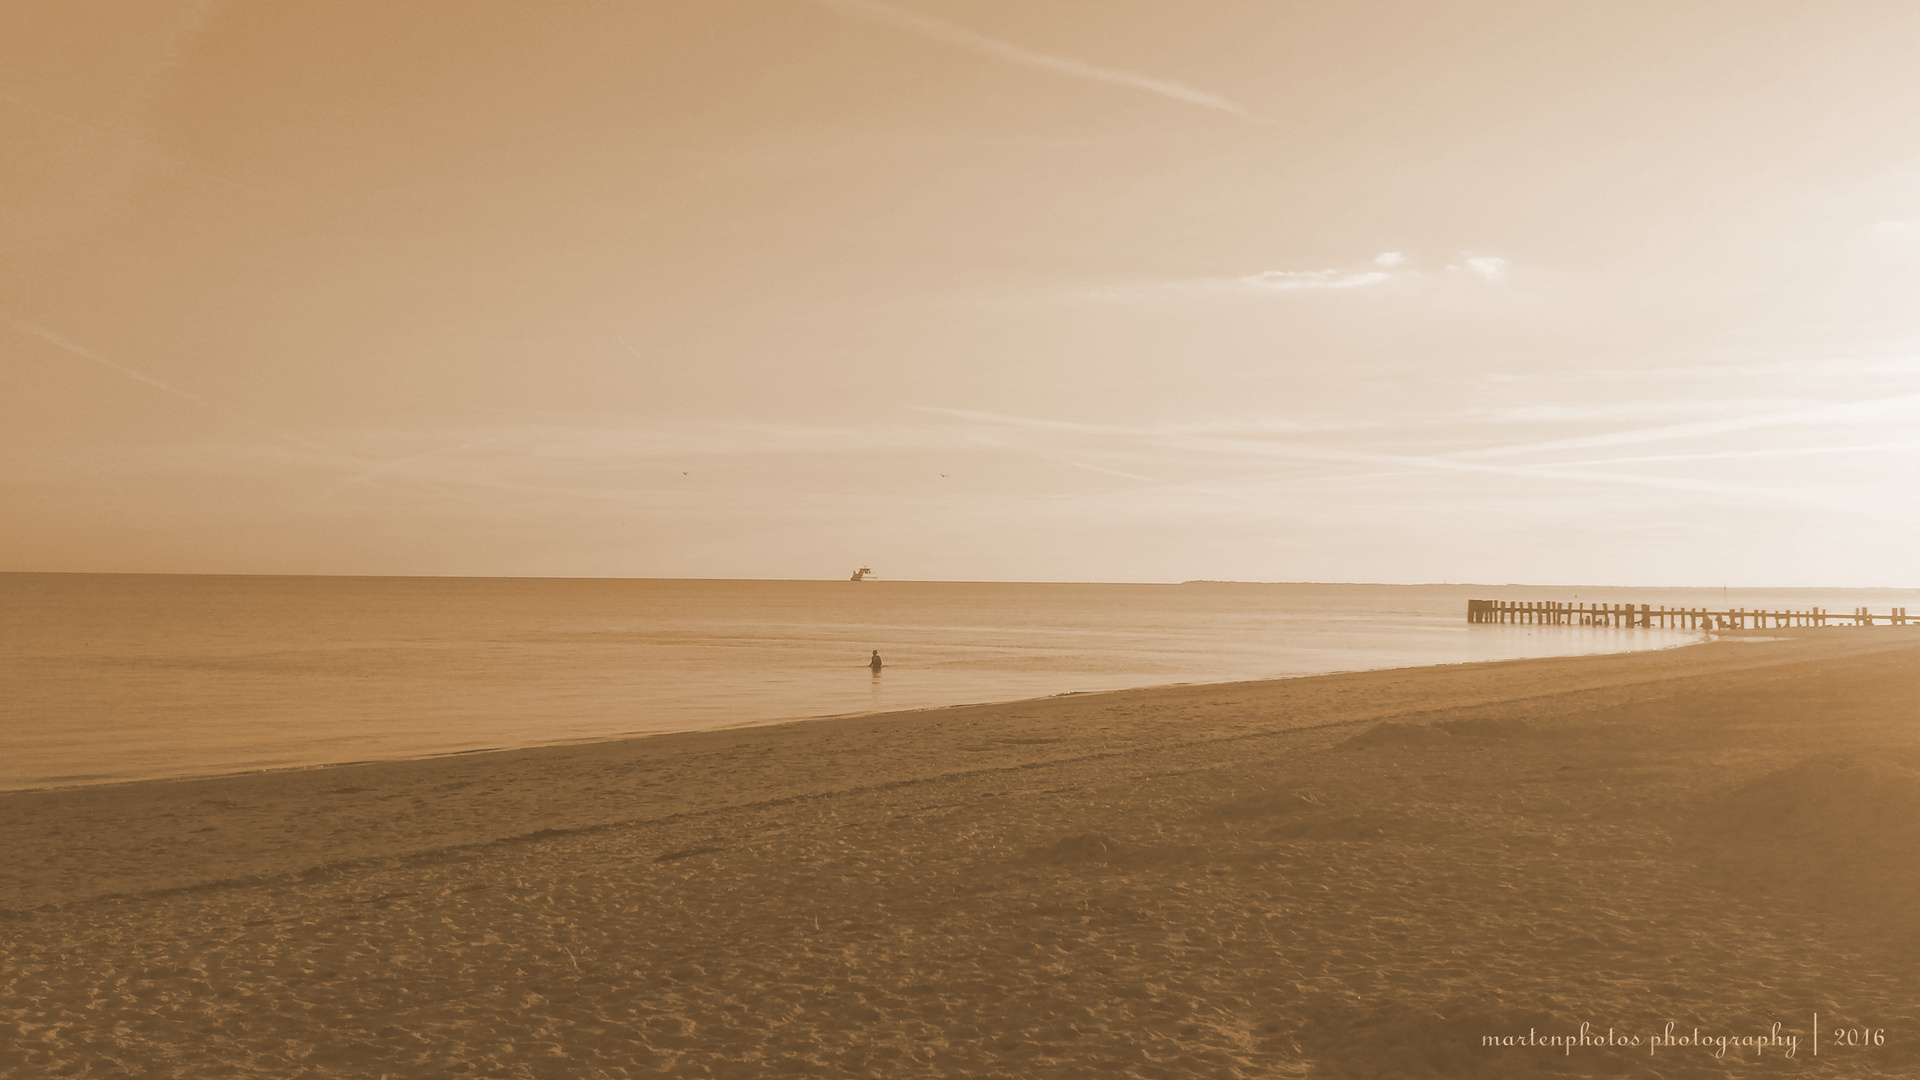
x,y
875,662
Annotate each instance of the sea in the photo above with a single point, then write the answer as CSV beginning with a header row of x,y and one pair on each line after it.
x,y
109,678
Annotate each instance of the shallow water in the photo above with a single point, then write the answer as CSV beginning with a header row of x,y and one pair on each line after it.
x,y
120,677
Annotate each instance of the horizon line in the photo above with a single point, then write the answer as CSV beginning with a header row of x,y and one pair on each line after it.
x,y
954,581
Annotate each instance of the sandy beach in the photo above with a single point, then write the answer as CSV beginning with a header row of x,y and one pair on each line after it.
x,y
1421,872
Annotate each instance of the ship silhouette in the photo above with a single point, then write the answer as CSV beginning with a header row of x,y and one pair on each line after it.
x,y
862,574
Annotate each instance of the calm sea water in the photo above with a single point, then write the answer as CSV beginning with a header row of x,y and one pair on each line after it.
x,y
121,677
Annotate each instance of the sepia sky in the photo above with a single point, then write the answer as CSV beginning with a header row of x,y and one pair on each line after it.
x,y
1621,293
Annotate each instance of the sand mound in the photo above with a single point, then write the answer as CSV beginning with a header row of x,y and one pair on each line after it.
x,y
1447,733
1834,801
1085,847
1292,815
1263,805
1487,728
1845,826
1394,733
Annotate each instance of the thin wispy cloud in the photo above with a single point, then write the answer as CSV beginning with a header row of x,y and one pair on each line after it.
x,y
1029,449
392,465
1904,408
1822,371
1592,412
527,456
1227,449
1289,280
1907,447
1488,267
1219,448
1386,268
1110,472
940,30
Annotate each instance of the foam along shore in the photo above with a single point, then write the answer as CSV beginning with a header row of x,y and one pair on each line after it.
x,y
1366,874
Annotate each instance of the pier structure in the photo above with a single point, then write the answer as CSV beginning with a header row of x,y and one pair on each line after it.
x,y
1557,613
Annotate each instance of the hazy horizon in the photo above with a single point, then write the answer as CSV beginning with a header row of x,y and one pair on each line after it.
x,y
963,290
1748,587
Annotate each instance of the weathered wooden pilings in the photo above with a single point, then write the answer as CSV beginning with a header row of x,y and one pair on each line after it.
x,y
1553,612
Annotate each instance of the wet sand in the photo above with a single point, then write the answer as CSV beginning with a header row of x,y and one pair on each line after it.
x,y
1344,876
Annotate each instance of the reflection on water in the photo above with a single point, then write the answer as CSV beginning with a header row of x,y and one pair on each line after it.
x,y
118,677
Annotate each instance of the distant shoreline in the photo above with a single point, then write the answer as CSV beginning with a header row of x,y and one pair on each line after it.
x,y
907,715
1892,636
889,714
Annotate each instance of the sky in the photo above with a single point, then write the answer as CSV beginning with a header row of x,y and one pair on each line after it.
x,y
1521,291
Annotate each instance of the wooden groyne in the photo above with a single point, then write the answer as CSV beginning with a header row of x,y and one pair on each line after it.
x,y
1555,613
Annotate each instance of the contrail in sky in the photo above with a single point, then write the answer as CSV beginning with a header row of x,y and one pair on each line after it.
x,y
1883,409
138,376
1262,448
940,30
393,463
367,470
134,145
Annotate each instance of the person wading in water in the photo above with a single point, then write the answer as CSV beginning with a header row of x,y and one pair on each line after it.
x,y
875,662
